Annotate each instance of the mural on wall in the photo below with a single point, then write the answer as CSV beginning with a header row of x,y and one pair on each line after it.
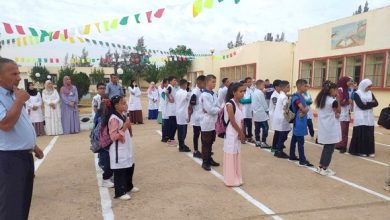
x,y
349,35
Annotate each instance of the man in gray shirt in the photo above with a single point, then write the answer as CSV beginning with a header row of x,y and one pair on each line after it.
x,y
113,88
17,142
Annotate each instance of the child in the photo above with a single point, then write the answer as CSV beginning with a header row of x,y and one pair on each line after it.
x,y
309,102
298,106
210,109
121,150
171,110
223,91
271,109
234,135
182,99
246,101
164,117
260,116
153,101
329,130
161,104
97,99
279,123
195,112
345,101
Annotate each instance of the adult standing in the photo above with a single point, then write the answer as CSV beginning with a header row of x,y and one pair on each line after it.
x,y
363,141
51,100
223,91
69,110
134,107
17,142
34,109
113,88
153,101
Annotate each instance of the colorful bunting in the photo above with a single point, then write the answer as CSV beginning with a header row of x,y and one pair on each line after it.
x,y
20,30
124,20
136,16
8,28
148,16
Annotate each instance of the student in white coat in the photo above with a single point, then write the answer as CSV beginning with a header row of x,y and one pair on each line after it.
x,y
271,109
329,129
223,91
260,114
161,104
34,108
182,99
153,101
247,101
51,100
134,107
121,150
170,110
279,123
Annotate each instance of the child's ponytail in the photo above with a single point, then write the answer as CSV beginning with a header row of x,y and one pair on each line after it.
x,y
325,91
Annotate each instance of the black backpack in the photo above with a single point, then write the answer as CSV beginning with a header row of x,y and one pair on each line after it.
x,y
384,118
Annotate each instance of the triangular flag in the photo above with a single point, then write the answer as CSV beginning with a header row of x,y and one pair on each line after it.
x,y
33,32
20,30
107,44
220,0
31,39
28,59
22,59
80,39
57,60
236,1
43,35
71,40
62,37
148,16
8,28
87,40
208,3
25,41
94,42
106,24
36,40
159,13
45,60
56,35
66,34
113,45
87,29
197,8
18,42
101,43
97,25
124,20
136,16
51,60
16,59
114,23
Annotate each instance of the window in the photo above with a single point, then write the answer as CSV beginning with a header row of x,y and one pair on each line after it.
x,y
237,73
388,71
335,69
373,68
306,69
319,75
353,68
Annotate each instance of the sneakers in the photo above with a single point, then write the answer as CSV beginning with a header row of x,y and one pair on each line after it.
x,y
206,166
172,143
125,197
387,188
184,149
327,172
265,145
213,163
372,155
258,144
165,140
293,158
197,154
306,163
273,149
134,190
281,154
107,183
250,140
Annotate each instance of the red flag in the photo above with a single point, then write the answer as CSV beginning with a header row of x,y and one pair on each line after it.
x,y
8,28
66,33
159,13
51,60
231,55
57,60
148,15
20,29
56,35
234,53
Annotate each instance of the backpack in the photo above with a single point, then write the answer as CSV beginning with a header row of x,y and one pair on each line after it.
x,y
288,113
104,137
94,136
221,125
384,118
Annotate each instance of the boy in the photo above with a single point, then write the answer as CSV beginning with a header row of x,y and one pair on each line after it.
x,y
260,114
223,91
195,112
164,117
97,100
246,101
299,107
279,123
210,109
271,109
171,110
182,99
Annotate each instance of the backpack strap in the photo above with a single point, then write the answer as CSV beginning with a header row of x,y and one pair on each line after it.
x,y
234,110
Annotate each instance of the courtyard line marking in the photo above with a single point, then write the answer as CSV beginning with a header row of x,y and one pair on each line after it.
x,y
38,162
387,198
240,191
105,199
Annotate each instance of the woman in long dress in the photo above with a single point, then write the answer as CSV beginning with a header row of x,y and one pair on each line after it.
x,y
70,118
363,141
134,107
34,108
51,100
153,101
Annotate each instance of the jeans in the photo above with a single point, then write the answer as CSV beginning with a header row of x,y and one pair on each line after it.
x,y
301,150
104,156
326,155
281,139
196,137
172,126
248,127
164,129
310,126
264,126
181,135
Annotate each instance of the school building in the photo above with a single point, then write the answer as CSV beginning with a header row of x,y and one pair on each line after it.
x,y
356,46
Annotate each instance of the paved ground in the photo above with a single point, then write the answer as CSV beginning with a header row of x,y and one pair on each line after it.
x,y
173,186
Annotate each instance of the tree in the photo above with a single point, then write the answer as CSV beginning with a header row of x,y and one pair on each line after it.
x,y
359,10
127,76
139,60
230,45
107,60
96,76
176,67
84,59
366,7
238,43
268,37
82,83
152,73
43,72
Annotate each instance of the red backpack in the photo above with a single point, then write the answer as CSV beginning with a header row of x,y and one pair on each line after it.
x,y
221,125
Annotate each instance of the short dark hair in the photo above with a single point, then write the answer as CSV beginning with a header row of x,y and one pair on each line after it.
x,y
224,80
183,82
100,84
210,77
171,78
283,84
4,61
276,82
259,82
165,80
301,82
267,80
247,78
201,78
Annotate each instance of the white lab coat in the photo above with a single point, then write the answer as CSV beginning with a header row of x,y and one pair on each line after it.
x,y
153,99
222,96
329,129
279,123
259,106
170,106
271,106
197,112
232,142
125,150
247,108
210,109
161,102
182,98
96,101
134,99
35,115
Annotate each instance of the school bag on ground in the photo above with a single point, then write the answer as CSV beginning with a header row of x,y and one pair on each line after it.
x,y
220,125
288,113
384,118
94,136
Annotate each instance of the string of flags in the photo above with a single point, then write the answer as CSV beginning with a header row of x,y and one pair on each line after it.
x,y
198,5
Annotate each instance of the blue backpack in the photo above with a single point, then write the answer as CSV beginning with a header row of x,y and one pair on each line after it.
x,y
94,137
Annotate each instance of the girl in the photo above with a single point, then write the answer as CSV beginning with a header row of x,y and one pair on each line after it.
x,y
51,99
153,101
34,108
121,150
345,101
362,142
310,115
234,116
135,108
329,131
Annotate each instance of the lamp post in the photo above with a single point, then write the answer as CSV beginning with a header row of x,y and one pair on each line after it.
x,y
119,71
37,75
212,50
48,77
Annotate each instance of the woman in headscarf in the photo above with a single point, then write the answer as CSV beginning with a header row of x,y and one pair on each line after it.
x,y
34,108
51,100
69,110
345,101
134,107
153,101
362,142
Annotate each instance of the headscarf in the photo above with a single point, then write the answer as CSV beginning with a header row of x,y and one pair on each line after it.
x,y
32,92
151,88
47,90
364,96
342,83
67,87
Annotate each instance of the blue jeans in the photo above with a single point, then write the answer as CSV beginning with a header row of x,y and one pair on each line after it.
x,y
181,135
282,137
301,150
264,126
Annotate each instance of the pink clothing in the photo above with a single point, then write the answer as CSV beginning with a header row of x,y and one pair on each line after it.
x,y
115,131
232,169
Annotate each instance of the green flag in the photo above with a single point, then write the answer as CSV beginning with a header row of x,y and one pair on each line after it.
x,y
136,16
124,20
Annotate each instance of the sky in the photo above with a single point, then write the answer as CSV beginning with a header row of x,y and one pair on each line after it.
x,y
212,29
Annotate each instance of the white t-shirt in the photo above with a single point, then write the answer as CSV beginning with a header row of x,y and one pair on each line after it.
x,y
247,108
182,100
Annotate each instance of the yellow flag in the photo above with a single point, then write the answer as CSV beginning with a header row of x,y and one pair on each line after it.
x,y
106,24
197,7
208,3
31,39
18,42
22,59
16,59
72,41
114,23
28,59
62,37
87,29
37,40
97,25
81,39
25,41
